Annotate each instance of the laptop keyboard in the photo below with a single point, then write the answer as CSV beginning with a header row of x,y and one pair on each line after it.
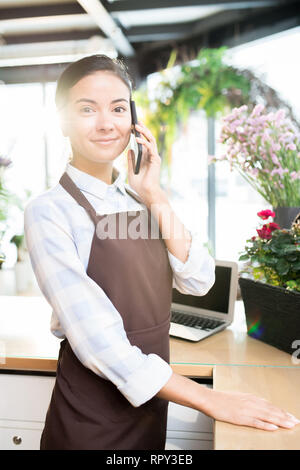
x,y
196,322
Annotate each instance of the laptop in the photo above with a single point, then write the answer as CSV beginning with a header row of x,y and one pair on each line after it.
x,y
194,318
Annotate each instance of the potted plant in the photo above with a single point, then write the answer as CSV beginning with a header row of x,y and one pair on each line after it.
x,y
8,200
270,283
265,149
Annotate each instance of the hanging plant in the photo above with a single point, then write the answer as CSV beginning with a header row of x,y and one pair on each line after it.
x,y
206,83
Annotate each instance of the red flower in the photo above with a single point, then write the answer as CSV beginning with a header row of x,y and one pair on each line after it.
x,y
272,226
266,214
264,232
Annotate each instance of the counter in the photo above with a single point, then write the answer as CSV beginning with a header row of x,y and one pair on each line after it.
x,y
235,361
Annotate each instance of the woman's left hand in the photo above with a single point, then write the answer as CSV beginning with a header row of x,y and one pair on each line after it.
x,y
146,182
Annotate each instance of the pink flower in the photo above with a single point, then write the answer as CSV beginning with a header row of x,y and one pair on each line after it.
x,y
280,115
291,146
257,110
254,171
295,175
280,171
211,158
265,214
275,159
275,147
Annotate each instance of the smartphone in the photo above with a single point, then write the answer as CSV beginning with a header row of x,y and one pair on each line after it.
x,y
139,152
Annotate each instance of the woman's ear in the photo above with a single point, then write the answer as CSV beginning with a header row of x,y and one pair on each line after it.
x,y
64,126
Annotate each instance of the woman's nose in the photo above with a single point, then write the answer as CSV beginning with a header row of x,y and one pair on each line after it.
x,y
104,122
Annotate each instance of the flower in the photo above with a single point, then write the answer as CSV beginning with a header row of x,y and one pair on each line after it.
x,y
295,175
266,214
264,232
5,162
273,226
274,255
264,148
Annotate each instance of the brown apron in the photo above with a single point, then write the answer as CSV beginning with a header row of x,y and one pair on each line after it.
x,y
87,411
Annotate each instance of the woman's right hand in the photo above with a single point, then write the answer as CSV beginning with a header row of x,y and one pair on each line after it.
x,y
245,409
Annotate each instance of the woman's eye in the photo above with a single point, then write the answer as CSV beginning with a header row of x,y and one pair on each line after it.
x,y
86,110
120,109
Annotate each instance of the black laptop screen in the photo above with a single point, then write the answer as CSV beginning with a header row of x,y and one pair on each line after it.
x,y
216,299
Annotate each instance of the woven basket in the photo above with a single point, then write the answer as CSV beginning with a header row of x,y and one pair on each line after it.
x,y
272,314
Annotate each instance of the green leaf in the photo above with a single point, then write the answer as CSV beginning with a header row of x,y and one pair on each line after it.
x,y
243,257
290,249
282,267
296,266
293,285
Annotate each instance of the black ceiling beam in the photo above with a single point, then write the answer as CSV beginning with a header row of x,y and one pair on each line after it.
x,y
139,34
154,32
130,5
248,33
136,34
34,11
55,36
31,73
223,18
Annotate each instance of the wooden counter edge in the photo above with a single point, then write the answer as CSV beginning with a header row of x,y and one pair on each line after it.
x,y
28,364
49,365
193,370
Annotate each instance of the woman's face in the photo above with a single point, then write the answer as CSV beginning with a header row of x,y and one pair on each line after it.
x,y
98,118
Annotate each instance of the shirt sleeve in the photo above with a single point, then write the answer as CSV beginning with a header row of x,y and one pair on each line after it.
x,y
90,321
197,275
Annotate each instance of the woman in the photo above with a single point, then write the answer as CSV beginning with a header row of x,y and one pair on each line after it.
x,y
111,295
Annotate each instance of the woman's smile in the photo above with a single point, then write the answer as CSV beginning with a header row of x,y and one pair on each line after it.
x,y
104,141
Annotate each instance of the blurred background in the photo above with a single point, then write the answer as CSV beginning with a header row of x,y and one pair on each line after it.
x,y
176,52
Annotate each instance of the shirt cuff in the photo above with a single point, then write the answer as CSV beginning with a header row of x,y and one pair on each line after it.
x,y
197,254
145,383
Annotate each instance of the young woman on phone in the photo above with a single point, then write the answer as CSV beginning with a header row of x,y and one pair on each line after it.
x,y
111,296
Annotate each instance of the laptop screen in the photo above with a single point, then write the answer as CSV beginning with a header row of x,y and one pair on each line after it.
x,y
217,298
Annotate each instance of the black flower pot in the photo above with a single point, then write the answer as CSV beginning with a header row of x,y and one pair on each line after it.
x,y
284,216
272,314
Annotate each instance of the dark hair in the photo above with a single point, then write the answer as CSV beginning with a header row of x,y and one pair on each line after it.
x,y
87,66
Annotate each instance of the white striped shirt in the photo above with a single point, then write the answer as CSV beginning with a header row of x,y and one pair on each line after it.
x,y
58,235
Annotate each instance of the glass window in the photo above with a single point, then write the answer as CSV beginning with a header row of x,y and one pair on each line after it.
x,y
22,138
187,187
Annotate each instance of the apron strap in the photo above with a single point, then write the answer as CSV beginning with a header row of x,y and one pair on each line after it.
x,y
69,185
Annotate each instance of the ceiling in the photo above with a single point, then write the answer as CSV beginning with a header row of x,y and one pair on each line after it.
x,y
39,37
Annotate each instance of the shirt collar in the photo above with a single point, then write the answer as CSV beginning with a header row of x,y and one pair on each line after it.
x,y
94,185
